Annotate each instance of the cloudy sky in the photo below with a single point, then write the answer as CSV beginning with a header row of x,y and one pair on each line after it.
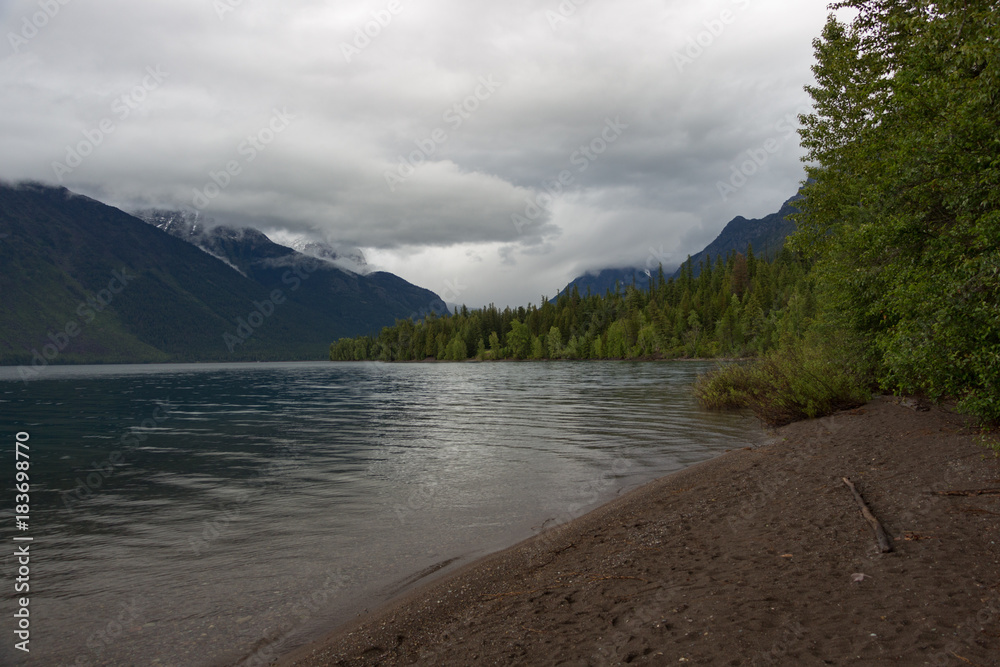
x,y
489,151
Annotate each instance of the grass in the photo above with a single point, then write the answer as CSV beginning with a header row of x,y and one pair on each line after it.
x,y
801,380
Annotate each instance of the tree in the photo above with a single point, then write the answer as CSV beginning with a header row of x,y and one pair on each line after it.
x,y
554,343
495,347
519,340
537,347
694,329
616,346
902,205
741,275
456,350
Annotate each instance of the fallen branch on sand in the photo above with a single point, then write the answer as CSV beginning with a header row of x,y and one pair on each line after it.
x,y
973,510
969,492
965,660
883,540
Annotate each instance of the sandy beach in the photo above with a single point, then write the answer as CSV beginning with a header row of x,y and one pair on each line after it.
x,y
760,556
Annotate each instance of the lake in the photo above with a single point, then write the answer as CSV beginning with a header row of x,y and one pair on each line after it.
x,y
211,514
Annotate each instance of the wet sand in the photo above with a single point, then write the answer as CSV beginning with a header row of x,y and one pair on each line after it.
x,y
760,556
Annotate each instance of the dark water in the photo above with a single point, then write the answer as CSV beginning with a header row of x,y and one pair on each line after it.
x,y
215,514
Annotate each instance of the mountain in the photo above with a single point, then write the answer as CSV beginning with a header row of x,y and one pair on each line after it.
x,y
349,259
222,241
608,279
83,282
767,235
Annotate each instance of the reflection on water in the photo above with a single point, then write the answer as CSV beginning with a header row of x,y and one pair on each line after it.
x,y
194,514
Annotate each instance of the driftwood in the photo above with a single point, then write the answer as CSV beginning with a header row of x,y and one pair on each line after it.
x,y
970,492
883,540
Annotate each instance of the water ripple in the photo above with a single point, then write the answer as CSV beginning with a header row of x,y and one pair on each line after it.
x,y
216,519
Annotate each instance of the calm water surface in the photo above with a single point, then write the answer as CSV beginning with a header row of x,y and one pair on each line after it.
x,y
223,514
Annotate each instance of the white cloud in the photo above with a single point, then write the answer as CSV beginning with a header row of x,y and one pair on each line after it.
x,y
552,92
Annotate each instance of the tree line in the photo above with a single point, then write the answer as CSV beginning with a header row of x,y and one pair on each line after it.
x,y
901,215
734,306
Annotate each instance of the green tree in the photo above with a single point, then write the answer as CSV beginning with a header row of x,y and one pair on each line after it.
x,y
616,346
519,340
693,334
495,348
537,347
554,343
903,148
456,350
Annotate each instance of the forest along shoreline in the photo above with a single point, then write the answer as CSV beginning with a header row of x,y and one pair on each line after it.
x,y
758,556
732,305
432,360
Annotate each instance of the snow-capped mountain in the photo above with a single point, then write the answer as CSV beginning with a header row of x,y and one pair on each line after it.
x,y
168,299
223,241
344,257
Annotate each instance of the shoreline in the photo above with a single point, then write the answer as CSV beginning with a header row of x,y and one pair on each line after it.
x,y
753,557
473,360
327,360
426,583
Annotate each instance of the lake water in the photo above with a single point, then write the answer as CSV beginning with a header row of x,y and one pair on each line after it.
x,y
223,514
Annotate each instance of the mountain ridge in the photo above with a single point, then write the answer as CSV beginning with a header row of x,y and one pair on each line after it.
x,y
767,235
85,282
222,241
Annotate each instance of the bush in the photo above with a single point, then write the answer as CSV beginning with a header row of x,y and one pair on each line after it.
x,y
800,380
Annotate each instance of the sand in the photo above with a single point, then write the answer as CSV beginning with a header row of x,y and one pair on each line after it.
x,y
759,556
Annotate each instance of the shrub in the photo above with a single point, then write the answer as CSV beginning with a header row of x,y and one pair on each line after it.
x,y
800,380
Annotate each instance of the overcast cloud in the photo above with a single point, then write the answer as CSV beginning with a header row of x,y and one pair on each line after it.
x,y
436,141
